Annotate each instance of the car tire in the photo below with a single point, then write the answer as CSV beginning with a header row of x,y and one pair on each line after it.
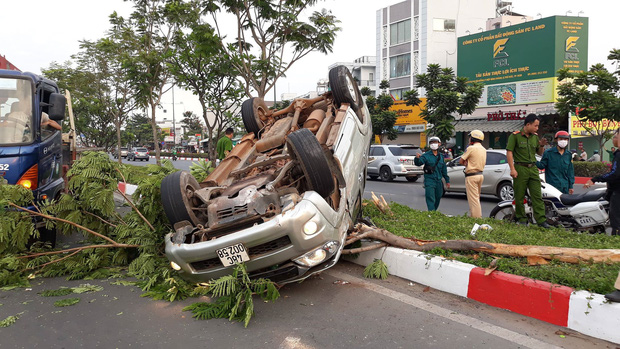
x,y
373,178
344,88
386,174
506,213
48,235
176,191
251,109
505,191
307,150
412,178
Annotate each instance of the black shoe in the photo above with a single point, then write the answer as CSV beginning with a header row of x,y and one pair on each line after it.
x,y
614,296
544,225
522,222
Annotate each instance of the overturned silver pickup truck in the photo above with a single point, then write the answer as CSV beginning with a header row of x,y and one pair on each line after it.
x,y
284,198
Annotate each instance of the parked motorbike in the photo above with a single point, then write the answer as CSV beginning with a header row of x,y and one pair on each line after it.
x,y
588,211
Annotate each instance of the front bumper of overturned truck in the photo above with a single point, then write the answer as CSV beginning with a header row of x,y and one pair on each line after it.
x,y
272,246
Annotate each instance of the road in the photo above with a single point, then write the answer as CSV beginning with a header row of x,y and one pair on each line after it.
x,y
338,309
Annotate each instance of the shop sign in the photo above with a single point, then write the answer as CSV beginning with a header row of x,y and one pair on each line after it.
x,y
509,115
408,115
410,128
586,128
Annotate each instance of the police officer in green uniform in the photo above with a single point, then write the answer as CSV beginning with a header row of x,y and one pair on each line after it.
x,y
558,165
521,152
434,170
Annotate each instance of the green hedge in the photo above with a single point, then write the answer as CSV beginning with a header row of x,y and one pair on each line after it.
x,y
590,169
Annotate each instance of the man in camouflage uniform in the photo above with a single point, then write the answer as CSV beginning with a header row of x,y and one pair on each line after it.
x,y
521,152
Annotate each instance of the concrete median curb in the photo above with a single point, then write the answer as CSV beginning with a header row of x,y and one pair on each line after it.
x,y
581,311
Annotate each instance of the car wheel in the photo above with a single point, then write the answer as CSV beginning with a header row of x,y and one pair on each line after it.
x,y
307,150
505,192
373,177
251,110
177,191
506,213
344,88
386,174
412,178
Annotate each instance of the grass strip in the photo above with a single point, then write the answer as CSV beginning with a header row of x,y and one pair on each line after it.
x,y
593,277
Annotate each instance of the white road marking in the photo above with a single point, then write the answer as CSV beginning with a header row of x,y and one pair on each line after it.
x,y
500,332
293,343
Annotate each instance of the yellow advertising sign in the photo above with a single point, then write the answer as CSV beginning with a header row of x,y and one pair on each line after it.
x,y
166,131
408,115
579,128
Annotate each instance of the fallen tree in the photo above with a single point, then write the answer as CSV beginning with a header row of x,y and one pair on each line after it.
x,y
564,254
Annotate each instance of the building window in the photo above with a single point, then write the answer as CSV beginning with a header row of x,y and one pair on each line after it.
x,y
397,94
371,77
400,32
400,65
444,25
416,28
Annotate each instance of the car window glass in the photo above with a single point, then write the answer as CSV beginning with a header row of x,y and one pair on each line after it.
x,y
379,152
404,151
495,158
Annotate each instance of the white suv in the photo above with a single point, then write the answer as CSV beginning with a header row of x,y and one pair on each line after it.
x,y
390,160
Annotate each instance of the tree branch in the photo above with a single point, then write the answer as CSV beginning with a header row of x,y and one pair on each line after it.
x,y
365,248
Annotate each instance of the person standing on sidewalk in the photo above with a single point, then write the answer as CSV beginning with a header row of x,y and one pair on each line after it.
x,y
613,187
434,170
521,153
474,159
558,165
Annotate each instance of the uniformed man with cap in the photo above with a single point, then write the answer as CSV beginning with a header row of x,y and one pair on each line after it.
x,y
474,159
434,170
558,165
521,153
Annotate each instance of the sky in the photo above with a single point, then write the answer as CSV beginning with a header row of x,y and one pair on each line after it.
x,y
42,32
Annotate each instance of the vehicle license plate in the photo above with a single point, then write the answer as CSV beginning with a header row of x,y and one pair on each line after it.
x,y
232,255
409,162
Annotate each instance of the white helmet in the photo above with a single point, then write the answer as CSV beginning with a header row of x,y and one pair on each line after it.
x,y
434,139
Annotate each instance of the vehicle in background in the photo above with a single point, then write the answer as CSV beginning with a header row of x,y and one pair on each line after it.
x,y
387,161
284,198
124,152
497,179
138,154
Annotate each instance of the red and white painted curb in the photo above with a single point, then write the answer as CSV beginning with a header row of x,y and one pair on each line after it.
x,y
127,188
183,158
581,311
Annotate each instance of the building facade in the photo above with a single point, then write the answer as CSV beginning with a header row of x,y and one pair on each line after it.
x,y
518,65
5,64
412,34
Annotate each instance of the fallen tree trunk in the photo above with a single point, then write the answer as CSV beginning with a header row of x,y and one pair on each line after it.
x,y
564,254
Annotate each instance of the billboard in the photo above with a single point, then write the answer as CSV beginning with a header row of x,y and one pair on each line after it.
x,y
532,50
518,92
585,128
408,115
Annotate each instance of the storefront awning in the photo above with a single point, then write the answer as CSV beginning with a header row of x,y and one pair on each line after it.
x,y
488,126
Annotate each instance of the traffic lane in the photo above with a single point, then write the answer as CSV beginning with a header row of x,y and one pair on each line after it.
x,y
325,311
179,164
412,195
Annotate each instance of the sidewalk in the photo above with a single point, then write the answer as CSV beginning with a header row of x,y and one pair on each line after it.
x,y
582,311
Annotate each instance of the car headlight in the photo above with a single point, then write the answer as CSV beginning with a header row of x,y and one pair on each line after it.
x,y
318,255
175,266
310,228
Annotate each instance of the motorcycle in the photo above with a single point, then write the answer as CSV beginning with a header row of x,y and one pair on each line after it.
x,y
587,212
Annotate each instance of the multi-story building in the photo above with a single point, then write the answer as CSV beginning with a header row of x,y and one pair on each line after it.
x,y
412,34
415,33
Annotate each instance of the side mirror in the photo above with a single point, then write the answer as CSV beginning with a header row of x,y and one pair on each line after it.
x,y
57,106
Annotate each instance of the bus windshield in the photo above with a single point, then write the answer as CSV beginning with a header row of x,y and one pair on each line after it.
x,y
15,111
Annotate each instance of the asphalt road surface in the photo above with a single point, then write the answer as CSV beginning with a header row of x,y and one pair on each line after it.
x,y
338,309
